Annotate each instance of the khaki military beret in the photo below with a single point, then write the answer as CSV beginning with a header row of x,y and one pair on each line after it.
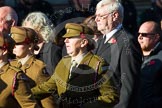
x,y
23,34
1,41
75,30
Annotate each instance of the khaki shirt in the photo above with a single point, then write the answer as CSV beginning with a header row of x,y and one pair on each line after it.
x,y
14,89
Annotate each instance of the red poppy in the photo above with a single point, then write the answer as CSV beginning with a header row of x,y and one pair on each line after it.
x,y
151,62
27,40
5,45
112,41
82,35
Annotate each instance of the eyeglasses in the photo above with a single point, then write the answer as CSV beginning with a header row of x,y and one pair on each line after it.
x,y
102,17
146,34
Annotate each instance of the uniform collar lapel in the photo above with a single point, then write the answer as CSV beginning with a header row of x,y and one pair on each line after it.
x,y
85,61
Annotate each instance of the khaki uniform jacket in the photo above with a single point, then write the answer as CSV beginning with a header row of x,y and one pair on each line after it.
x,y
35,70
14,89
88,81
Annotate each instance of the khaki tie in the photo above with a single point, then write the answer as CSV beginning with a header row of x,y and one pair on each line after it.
x,y
73,65
19,64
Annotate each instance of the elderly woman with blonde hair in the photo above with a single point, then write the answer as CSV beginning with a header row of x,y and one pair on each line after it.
x,y
48,52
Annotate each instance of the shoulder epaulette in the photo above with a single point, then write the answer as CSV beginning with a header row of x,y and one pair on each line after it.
x,y
40,63
15,68
98,58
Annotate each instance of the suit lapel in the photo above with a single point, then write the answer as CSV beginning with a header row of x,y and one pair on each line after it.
x,y
104,47
101,44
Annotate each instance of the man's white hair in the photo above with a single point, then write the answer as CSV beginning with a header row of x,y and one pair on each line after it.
x,y
112,5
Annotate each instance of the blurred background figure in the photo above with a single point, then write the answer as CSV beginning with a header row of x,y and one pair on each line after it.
x,y
2,3
151,71
8,18
91,23
154,13
48,52
161,24
130,16
24,7
79,8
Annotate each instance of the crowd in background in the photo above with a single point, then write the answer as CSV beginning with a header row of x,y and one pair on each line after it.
x,y
95,53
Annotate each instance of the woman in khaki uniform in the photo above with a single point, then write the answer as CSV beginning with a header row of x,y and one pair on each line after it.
x,y
14,88
26,40
83,83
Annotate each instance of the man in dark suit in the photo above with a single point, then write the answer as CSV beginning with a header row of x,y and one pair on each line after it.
x,y
151,71
120,49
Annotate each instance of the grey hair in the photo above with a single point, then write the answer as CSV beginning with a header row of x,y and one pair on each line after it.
x,y
10,14
42,24
113,5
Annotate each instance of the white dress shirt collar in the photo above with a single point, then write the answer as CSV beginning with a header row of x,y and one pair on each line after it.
x,y
79,58
25,59
110,34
